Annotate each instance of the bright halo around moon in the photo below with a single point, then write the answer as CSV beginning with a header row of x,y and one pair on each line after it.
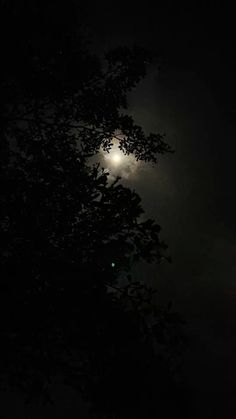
x,y
116,157
119,163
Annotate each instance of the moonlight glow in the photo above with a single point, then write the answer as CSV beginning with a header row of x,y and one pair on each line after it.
x,y
119,163
116,157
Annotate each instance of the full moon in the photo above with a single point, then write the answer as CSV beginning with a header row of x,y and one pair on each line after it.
x,y
116,158
119,163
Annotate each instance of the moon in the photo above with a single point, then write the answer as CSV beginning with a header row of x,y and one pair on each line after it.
x,y
116,157
119,163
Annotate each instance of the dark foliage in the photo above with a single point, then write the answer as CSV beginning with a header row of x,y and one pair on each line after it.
x,y
68,234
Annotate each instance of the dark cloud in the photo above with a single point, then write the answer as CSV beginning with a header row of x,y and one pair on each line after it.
x,y
186,194
190,193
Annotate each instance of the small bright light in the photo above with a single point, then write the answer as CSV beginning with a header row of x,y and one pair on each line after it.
x,y
116,158
113,264
119,163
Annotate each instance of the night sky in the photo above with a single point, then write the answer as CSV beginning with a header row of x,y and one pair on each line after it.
x,y
191,192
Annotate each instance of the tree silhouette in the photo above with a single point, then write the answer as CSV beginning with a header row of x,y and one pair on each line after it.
x,y
68,233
